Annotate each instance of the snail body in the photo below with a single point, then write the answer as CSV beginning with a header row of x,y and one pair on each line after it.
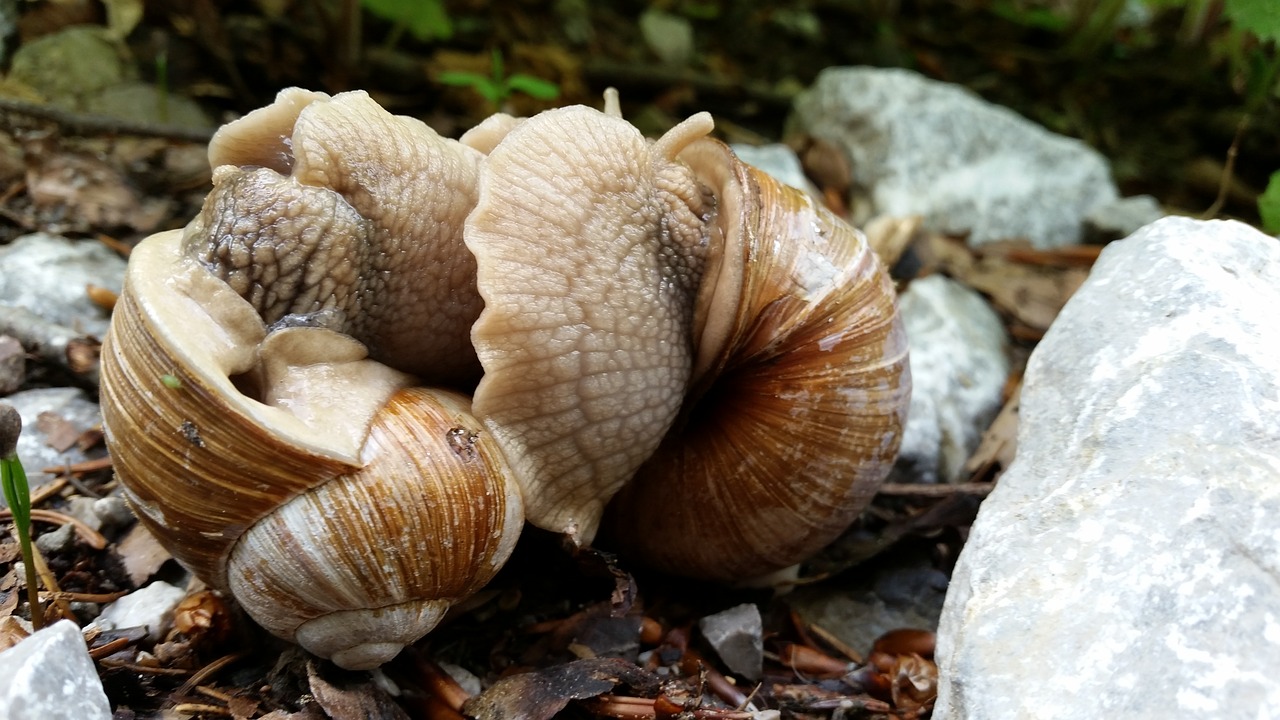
x,y
709,355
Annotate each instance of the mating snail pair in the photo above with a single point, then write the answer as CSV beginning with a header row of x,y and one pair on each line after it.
x,y
668,344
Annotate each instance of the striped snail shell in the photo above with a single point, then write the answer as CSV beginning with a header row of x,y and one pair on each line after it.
x,y
661,330
665,321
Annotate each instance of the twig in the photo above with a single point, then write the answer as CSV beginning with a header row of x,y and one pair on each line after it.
x,y
111,648
142,668
51,342
47,490
87,124
91,537
81,468
86,597
50,582
208,671
942,490
196,708
1228,171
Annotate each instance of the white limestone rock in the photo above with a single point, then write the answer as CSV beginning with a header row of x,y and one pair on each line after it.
x,y
779,161
68,404
1126,564
49,676
47,275
958,369
923,147
150,607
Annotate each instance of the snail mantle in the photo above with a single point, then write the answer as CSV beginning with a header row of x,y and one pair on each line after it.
x,y
342,389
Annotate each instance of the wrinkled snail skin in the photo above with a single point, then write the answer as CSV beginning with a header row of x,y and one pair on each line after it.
x,y
333,211
706,348
586,358
698,308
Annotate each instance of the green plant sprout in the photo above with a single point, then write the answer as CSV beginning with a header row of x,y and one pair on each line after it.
x,y
426,20
497,87
13,481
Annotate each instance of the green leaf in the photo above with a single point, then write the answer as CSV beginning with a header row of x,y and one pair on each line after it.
x,y
1031,17
426,20
534,86
463,79
1269,205
1260,17
16,492
488,88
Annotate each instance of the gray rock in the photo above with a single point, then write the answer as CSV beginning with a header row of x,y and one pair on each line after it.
x,y
145,103
47,275
922,147
958,370
150,607
1121,218
57,541
112,512
779,161
13,365
69,404
49,676
670,37
1126,564
905,594
737,635
70,64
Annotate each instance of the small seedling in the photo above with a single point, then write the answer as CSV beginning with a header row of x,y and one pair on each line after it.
x,y
497,86
426,20
13,481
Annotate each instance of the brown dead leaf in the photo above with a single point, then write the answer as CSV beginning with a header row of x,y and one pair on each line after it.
x,y
243,708
81,192
1031,294
539,695
11,632
890,236
352,699
60,434
141,554
999,443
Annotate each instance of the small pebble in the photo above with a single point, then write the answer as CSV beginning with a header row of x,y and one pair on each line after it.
x,y
13,365
10,429
151,607
58,541
737,635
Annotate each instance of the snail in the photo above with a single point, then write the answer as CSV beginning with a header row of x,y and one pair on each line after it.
x,y
671,348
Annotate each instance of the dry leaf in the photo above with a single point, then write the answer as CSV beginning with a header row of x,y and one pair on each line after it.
x,y
890,236
1032,294
539,695
999,443
11,632
59,434
353,699
141,554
